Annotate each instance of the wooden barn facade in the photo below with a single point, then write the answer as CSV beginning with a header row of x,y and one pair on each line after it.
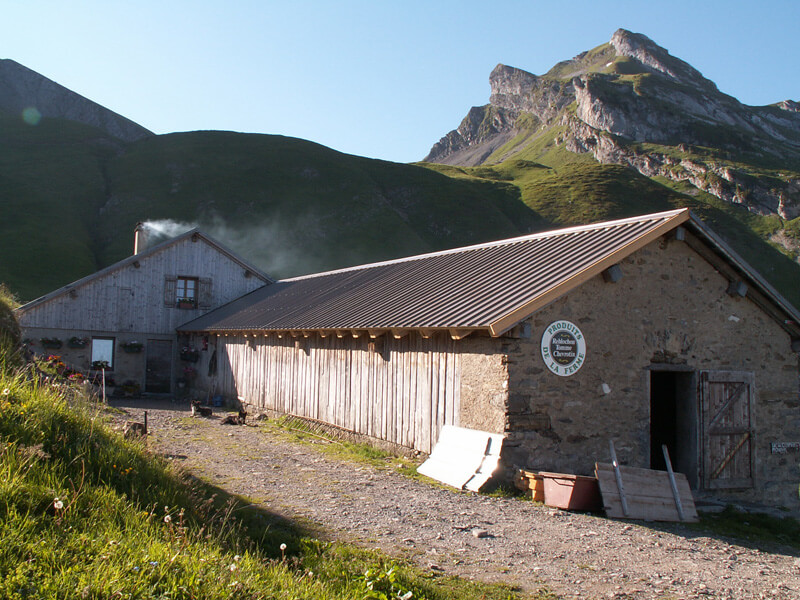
x,y
127,314
644,331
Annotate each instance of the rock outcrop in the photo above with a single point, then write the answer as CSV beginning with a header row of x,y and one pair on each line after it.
x,y
22,88
623,98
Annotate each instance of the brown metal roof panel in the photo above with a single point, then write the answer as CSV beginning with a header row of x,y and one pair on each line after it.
x,y
469,287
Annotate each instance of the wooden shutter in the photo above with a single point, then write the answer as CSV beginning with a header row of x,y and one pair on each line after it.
x,y
170,290
204,293
728,429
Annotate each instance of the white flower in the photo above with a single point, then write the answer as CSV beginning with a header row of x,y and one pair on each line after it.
x,y
6,392
237,558
58,504
232,567
167,519
283,547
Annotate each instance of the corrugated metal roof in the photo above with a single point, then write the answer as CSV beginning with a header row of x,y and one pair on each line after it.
x,y
488,286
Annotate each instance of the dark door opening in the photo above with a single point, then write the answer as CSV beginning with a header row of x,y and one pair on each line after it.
x,y
673,421
159,367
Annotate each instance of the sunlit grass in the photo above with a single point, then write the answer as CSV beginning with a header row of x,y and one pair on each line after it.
x,y
85,513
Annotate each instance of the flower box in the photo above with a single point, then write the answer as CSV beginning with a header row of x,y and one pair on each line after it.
x,y
76,342
190,356
132,347
51,343
186,303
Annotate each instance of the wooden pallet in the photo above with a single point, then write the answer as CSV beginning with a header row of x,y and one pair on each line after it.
x,y
531,484
647,494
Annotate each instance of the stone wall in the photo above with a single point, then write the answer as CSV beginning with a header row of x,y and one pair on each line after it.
x,y
669,311
484,383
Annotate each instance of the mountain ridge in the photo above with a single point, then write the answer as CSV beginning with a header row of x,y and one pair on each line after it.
x,y
629,92
22,89
71,192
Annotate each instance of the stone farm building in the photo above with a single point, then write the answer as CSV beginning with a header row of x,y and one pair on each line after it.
x,y
127,313
644,331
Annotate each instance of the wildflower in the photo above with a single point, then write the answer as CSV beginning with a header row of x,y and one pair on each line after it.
x,y
167,519
6,392
237,558
232,567
58,504
283,547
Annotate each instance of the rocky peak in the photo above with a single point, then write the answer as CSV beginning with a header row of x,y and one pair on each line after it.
x,y
608,100
790,106
21,88
644,50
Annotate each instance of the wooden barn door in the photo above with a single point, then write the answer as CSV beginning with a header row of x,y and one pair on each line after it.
x,y
159,367
727,406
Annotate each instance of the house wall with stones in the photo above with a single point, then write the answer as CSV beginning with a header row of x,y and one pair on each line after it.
x,y
669,311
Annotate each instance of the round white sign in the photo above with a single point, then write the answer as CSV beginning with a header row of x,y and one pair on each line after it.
x,y
563,348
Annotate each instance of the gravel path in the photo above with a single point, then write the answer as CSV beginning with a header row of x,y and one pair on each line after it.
x,y
528,545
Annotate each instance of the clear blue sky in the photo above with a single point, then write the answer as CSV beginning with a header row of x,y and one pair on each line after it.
x,y
374,78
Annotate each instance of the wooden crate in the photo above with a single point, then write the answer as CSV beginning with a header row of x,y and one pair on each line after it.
x,y
531,484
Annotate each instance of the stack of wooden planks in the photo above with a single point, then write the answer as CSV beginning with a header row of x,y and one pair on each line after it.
x,y
632,493
531,484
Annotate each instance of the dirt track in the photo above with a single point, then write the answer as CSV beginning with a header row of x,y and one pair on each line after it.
x,y
575,555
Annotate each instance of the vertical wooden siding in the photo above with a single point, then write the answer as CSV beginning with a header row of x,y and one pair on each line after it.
x,y
132,299
402,391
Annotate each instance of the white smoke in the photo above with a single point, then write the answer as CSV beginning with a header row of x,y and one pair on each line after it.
x,y
274,247
167,228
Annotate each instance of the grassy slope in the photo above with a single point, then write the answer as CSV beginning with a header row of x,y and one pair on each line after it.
x,y
574,189
51,185
87,514
283,195
70,198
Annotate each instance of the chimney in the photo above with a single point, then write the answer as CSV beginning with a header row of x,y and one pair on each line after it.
x,y
139,238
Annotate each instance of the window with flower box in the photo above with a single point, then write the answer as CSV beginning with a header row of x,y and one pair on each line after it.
x,y
103,351
187,292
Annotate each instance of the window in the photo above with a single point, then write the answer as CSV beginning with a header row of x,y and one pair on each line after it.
x,y
103,350
186,292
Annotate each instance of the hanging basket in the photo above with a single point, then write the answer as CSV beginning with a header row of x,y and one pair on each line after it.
x,y
76,342
53,343
191,356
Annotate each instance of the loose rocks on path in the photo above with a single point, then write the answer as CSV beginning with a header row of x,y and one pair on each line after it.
x,y
470,535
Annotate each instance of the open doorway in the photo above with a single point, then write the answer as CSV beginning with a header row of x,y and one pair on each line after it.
x,y
673,421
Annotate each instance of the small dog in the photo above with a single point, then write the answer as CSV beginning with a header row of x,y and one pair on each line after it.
x,y
235,420
203,411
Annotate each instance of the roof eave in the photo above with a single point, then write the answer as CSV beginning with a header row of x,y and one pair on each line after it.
x,y
521,313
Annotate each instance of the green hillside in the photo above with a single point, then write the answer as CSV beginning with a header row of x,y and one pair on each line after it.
x,y
574,189
70,197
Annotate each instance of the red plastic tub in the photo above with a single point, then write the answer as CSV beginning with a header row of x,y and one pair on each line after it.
x,y
571,492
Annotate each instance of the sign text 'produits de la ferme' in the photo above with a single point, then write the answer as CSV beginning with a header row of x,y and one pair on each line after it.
x,y
563,348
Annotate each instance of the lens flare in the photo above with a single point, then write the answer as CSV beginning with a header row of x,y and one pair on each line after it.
x,y
31,115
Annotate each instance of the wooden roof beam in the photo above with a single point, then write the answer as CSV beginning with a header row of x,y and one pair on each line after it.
x,y
460,334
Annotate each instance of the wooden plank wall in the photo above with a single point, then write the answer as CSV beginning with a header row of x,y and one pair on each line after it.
x,y
402,391
131,298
